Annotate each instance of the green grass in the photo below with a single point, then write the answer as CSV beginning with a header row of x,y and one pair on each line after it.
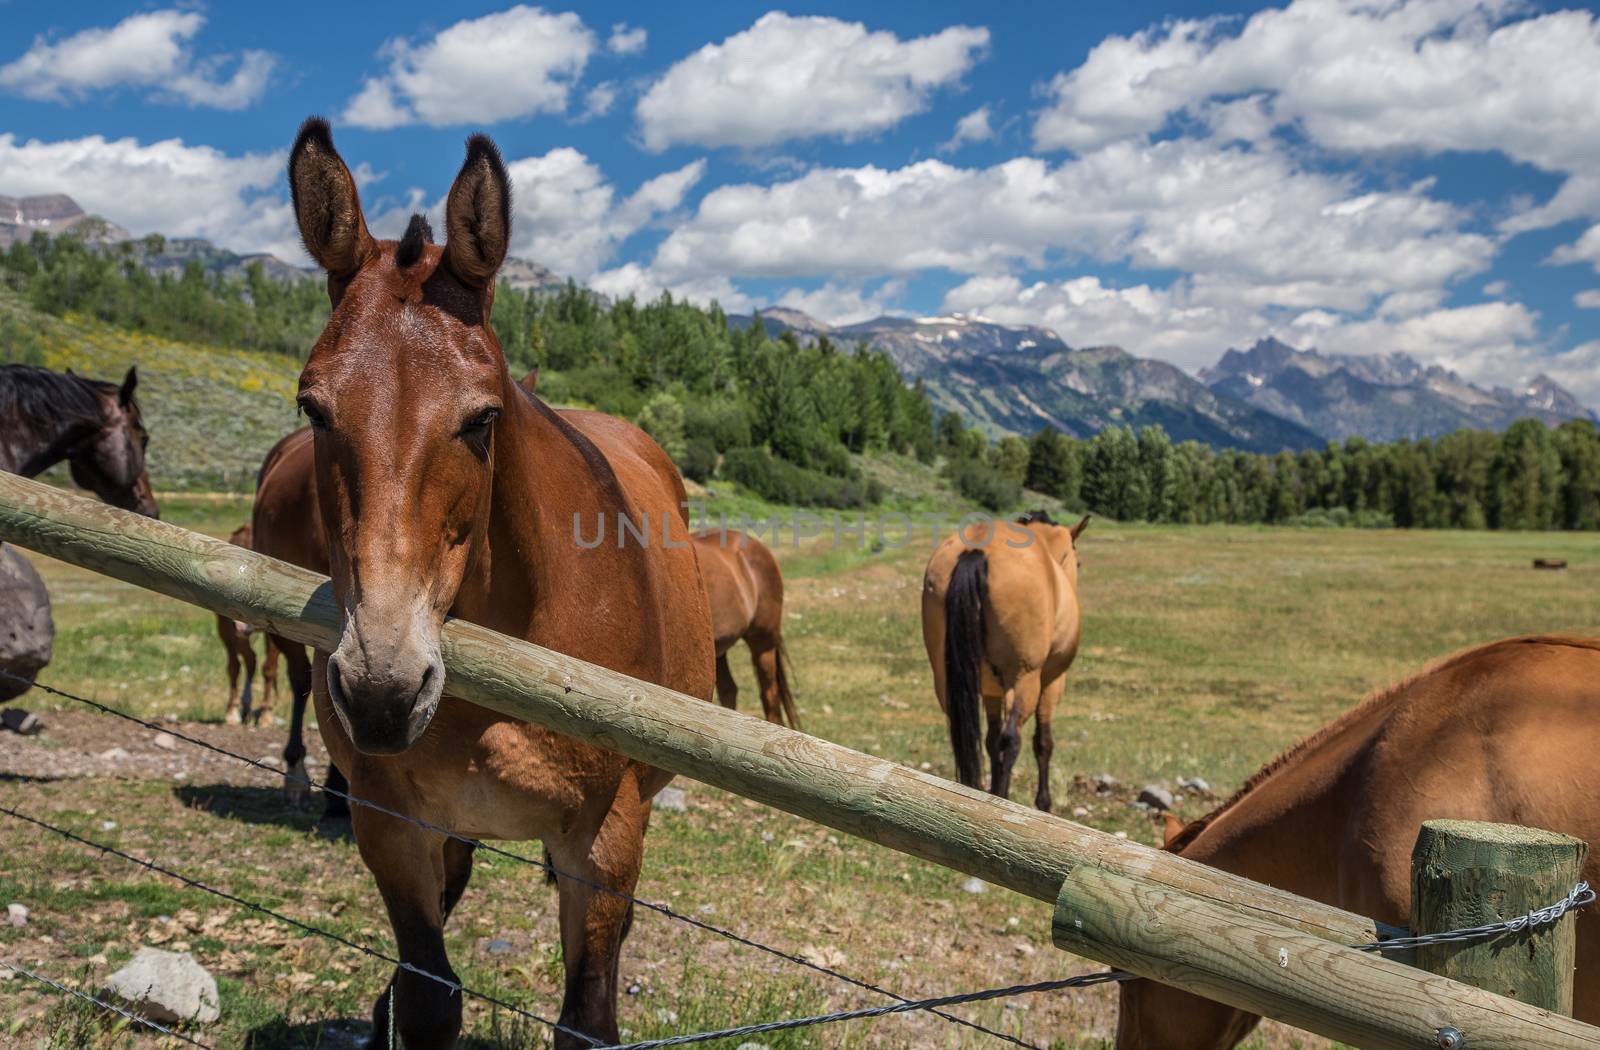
x,y
1206,651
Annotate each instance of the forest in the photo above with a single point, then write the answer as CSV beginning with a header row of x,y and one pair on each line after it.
x,y
790,420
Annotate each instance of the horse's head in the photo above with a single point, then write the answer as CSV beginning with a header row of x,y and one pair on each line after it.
x,y
110,461
1155,1016
402,391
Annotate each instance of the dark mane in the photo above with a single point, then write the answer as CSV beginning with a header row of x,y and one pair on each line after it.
x,y
418,233
1381,697
1032,516
36,396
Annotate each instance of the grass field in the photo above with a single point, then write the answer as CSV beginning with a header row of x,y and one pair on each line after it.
x,y
1206,651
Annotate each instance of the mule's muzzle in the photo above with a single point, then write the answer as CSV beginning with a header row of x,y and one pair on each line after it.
x,y
385,704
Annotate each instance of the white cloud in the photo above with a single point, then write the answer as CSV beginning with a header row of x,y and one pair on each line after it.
x,y
1586,249
626,39
1428,75
162,187
843,304
1496,288
504,66
1589,299
599,100
644,284
1257,228
567,215
798,77
149,51
974,127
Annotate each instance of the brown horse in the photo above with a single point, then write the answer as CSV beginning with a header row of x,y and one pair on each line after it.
x,y
1000,620
745,587
1506,732
238,641
445,489
47,417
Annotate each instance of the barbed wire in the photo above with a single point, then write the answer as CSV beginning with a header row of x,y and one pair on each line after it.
x,y
454,987
135,1018
1579,896
545,865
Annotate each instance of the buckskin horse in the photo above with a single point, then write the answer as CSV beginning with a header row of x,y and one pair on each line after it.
x,y
1505,732
745,587
47,417
447,490
1000,621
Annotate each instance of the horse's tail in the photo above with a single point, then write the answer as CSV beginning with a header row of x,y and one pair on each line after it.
x,y
964,600
785,696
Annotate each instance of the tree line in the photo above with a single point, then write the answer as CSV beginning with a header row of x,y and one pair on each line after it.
x,y
1529,477
790,420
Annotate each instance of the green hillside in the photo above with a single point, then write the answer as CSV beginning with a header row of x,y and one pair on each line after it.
x,y
212,413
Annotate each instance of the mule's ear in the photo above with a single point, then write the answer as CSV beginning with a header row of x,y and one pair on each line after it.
x,y
1172,827
477,215
326,204
130,383
1077,530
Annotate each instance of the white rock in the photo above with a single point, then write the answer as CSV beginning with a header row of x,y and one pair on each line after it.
x,y
1198,785
973,884
1079,811
16,915
672,800
1156,797
166,986
6,972
751,1046
115,754
165,741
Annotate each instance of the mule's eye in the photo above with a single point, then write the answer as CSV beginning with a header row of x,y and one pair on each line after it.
x,y
314,414
476,429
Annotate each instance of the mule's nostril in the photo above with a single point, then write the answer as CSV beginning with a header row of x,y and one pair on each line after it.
x,y
336,690
427,679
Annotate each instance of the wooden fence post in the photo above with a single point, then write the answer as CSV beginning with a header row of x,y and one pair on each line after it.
x,y
1466,873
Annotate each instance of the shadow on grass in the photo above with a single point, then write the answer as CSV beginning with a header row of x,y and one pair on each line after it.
x,y
348,1034
258,805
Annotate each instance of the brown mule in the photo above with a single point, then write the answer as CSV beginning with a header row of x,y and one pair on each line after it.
x,y
745,587
238,641
1506,732
1000,620
445,489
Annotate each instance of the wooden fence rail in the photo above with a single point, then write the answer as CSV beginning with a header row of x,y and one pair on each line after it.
x,y
884,802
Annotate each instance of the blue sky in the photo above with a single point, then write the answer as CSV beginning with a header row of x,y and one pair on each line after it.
x,y
1417,175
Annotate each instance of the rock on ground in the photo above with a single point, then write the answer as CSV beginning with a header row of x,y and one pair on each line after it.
x,y
166,986
27,633
16,914
1156,797
672,800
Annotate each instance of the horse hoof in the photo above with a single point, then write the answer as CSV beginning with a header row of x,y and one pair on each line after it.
x,y
232,719
24,723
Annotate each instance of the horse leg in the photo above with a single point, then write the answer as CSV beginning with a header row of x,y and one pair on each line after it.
x,y
414,872
594,923
297,782
1044,741
991,744
247,651
226,632
764,660
727,688
1020,700
269,671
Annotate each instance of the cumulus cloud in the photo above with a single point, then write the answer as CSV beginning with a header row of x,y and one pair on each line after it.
x,y
504,66
1247,219
1589,299
150,52
599,100
974,127
569,216
626,39
792,77
161,187
1586,249
1429,75
843,304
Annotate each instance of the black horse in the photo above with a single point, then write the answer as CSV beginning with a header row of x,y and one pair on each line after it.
x,y
47,417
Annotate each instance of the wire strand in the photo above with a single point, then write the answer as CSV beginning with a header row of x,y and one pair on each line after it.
x,y
545,865
135,1018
